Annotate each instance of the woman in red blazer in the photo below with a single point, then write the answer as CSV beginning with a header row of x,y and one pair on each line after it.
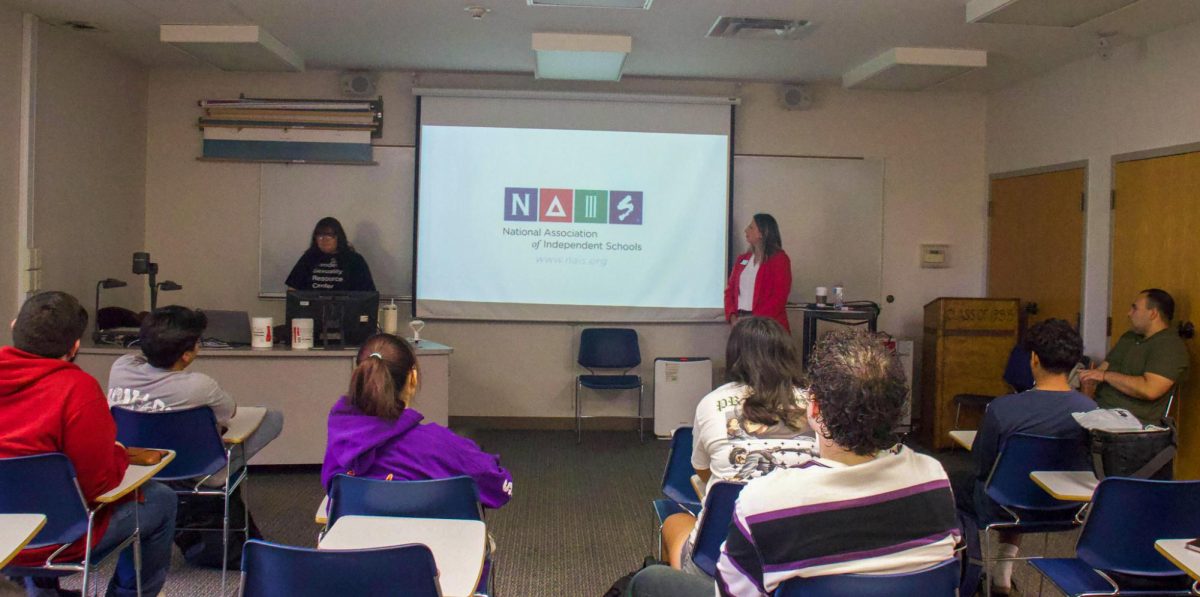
x,y
762,277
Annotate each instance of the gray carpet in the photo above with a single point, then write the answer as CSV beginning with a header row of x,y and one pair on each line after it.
x,y
579,519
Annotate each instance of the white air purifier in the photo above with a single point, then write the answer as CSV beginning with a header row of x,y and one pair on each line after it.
x,y
679,384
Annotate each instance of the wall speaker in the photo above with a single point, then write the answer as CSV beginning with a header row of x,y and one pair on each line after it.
x,y
359,84
794,97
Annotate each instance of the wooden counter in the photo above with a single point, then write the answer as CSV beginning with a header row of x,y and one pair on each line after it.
x,y
302,383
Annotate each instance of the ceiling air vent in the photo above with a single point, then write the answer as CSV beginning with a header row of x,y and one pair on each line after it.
x,y
752,28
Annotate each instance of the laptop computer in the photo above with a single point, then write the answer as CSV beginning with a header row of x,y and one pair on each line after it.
x,y
227,327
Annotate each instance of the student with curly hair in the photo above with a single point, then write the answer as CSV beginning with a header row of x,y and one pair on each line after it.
x,y
1045,409
868,505
748,427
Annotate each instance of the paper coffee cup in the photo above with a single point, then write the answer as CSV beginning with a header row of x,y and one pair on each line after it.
x,y
302,333
389,319
260,332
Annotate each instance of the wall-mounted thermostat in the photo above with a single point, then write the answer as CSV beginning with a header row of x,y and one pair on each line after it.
x,y
935,255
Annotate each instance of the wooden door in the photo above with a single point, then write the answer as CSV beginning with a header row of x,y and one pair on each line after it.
x,y
1156,238
1035,243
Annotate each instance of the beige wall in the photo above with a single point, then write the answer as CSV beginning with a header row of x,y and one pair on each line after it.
x,y
1142,98
90,154
10,125
202,218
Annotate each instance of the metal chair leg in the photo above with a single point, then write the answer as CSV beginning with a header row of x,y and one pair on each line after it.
x,y
137,547
578,429
641,421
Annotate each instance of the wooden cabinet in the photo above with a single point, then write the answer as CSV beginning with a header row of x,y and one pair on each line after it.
x,y
965,348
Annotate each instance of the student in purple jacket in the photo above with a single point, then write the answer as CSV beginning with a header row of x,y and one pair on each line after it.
x,y
373,433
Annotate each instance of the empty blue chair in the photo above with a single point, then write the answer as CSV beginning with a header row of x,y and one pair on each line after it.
x,y
608,348
199,454
454,497
270,570
940,580
1115,553
46,484
714,524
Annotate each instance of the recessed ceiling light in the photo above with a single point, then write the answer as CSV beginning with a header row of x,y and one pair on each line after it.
x,y
1047,13
913,69
755,28
642,4
581,56
232,47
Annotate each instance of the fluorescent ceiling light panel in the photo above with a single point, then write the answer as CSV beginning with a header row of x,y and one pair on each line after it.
x,y
1046,13
581,56
643,4
913,69
233,47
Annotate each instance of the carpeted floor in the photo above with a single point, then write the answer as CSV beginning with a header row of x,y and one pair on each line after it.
x,y
579,519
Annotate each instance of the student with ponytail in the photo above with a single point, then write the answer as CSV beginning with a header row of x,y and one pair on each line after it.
x,y
373,432
750,426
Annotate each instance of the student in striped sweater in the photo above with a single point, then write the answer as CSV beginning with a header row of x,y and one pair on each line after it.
x,y
867,505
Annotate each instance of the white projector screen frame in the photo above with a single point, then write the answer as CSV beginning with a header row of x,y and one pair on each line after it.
x,y
467,148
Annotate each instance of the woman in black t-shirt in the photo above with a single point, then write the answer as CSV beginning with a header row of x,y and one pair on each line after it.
x,y
330,263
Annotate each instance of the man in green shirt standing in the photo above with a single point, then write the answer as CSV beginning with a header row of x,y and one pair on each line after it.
x,y
1147,361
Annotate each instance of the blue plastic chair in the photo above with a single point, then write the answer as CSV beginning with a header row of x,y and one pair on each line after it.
x,y
270,570
1030,509
46,484
608,348
455,497
199,453
940,580
677,477
1115,552
713,524
676,483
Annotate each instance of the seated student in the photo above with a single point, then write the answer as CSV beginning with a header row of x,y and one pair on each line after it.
x,y
157,379
48,404
868,505
374,433
1045,409
748,427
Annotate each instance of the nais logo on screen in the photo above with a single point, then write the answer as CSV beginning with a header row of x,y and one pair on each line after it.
x,y
582,206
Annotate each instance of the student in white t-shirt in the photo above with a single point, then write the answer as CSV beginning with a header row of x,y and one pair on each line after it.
x,y
748,427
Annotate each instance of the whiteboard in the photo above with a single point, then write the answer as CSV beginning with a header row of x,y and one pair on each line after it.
x,y
373,203
830,214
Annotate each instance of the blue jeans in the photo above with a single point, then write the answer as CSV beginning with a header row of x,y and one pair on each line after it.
x,y
156,516
664,581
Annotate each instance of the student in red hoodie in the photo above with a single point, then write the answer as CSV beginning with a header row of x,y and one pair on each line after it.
x,y
48,404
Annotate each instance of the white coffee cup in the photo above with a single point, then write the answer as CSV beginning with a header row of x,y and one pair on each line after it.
x,y
389,318
302,333
261,334
822,295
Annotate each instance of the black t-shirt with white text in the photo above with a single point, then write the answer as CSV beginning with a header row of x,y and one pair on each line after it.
x,y
341,271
